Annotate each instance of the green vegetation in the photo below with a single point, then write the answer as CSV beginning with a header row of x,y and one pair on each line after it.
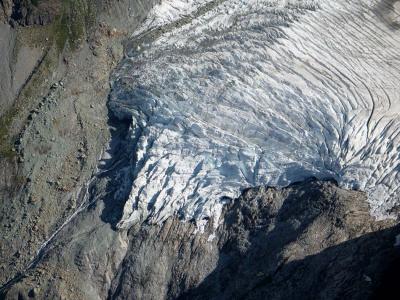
x,y
6,145
43,71
75,18
35,2
90,16
71,26
7,135
65,34
61,32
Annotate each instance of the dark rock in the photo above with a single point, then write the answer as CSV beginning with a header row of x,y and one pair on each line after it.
x,y
311,240
33,292
27,12
273,244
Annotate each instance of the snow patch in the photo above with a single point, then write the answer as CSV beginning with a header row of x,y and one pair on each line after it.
x,y
211,237
168,11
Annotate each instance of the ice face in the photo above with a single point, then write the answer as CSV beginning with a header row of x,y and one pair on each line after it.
x,y
261,92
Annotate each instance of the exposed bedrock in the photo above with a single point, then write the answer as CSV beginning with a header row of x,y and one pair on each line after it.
x,y
54,85
311,240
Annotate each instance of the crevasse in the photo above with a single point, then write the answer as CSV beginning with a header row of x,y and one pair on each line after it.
x,y
259,92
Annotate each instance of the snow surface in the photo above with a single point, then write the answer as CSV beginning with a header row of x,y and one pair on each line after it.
x,y
168,11
261,92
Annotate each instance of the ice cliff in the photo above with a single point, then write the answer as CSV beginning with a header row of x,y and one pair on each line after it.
x,y
260,92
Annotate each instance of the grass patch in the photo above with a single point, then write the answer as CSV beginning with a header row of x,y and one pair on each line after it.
x,y
6,142
43,71
35,2
8,128
90,16
66,33
61,32
71,26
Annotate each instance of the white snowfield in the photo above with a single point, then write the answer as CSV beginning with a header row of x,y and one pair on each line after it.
x,y
261,92
168,11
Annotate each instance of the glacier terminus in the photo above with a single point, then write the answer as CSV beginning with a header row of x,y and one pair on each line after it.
x,y
226,95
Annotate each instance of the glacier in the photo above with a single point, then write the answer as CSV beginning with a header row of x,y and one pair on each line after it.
x,y
226,95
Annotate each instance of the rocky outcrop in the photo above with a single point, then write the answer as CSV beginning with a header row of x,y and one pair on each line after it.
x,y
5,10
30,12
53,123
311,240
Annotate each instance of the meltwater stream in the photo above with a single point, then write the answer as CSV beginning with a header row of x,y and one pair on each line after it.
x,y
260,92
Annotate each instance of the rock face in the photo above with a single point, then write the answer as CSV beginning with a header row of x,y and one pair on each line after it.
x,y
311,240
53,121
5,10
30,12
